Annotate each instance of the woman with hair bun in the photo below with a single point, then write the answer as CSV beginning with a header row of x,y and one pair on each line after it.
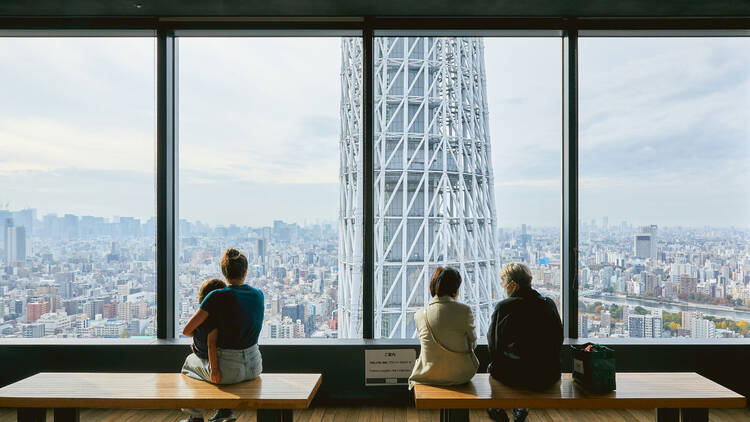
x,y
237,312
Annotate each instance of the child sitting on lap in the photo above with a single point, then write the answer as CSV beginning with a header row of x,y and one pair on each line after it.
x,y
207,334
205,339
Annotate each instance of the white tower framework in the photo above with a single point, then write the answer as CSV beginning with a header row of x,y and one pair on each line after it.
x,y
350,201
434,197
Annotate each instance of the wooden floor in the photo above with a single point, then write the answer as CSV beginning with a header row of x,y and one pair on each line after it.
x,y
390,414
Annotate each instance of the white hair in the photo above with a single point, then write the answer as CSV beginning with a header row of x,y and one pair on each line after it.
x,y
518,272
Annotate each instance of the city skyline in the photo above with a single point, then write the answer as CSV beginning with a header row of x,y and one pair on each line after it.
x,y
296,271
583,223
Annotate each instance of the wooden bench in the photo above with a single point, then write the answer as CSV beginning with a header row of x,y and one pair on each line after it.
x,y
673,395
273,395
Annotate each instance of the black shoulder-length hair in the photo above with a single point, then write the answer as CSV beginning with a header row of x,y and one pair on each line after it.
x,y
445,281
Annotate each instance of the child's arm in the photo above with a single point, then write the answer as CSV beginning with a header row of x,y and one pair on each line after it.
x,y
196,320
213,356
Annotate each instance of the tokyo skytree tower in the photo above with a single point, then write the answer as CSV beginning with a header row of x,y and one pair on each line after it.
x,y
434,196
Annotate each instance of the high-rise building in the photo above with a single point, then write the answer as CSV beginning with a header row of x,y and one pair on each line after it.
x,y
293,311
688,285
124,311
109,310
606,322
583,326
52,226
21,244
644,242
70,226
687,319
651,283
4,217
636,326
9,246
642,245
64,282
25,218
525,237
260,250
648,326
35,310
702,328
129,227
433,180
653,326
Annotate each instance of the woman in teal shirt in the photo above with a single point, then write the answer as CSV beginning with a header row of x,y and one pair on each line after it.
x,y
237,311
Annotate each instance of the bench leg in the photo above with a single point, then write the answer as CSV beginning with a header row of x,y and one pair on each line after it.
x,y
67,415
694,415
31,414
667,415
454,415
273,415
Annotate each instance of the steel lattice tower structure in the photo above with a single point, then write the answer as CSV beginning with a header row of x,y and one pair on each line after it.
x,y
350,208
434,196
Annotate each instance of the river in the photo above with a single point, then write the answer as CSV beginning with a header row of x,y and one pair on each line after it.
x,y
672,307
711,310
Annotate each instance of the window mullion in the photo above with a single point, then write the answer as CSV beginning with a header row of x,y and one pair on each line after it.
x,y
368,199
166,183
569,283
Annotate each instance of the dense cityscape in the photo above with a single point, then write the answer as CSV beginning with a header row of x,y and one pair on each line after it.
x,y
646,281
650,281
88,276
83,277
295,267
74,276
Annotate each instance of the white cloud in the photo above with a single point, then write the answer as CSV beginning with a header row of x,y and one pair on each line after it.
x,y
524,94
265,109
665,127
46,143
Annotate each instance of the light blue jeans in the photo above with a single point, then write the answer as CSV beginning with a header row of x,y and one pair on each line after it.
x,y
235,366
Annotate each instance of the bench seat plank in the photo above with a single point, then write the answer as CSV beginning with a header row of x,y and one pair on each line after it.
x,y
158,391
634,391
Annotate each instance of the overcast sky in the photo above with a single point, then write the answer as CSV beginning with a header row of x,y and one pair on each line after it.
x,y
664,128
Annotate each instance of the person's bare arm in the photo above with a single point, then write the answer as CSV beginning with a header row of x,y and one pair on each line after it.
x,y
213,356
196,320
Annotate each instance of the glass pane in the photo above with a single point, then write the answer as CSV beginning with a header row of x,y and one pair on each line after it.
x,y
525,92
467,169
664,199
77,123
270,142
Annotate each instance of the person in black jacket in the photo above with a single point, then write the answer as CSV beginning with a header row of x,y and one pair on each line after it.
x,y
524,338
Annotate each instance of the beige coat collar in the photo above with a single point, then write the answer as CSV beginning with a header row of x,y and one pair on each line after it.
x,y
442,299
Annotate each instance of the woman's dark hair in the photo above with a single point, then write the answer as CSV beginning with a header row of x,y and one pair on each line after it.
x,y
209,286
445,282
233,264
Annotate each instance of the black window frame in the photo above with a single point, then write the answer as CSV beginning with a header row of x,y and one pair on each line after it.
x,y
166,31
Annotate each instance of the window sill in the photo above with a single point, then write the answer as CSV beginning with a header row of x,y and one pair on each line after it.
x,y
185,341
661,341
375,343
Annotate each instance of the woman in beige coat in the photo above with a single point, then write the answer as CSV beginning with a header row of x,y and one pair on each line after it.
x,y
446,334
